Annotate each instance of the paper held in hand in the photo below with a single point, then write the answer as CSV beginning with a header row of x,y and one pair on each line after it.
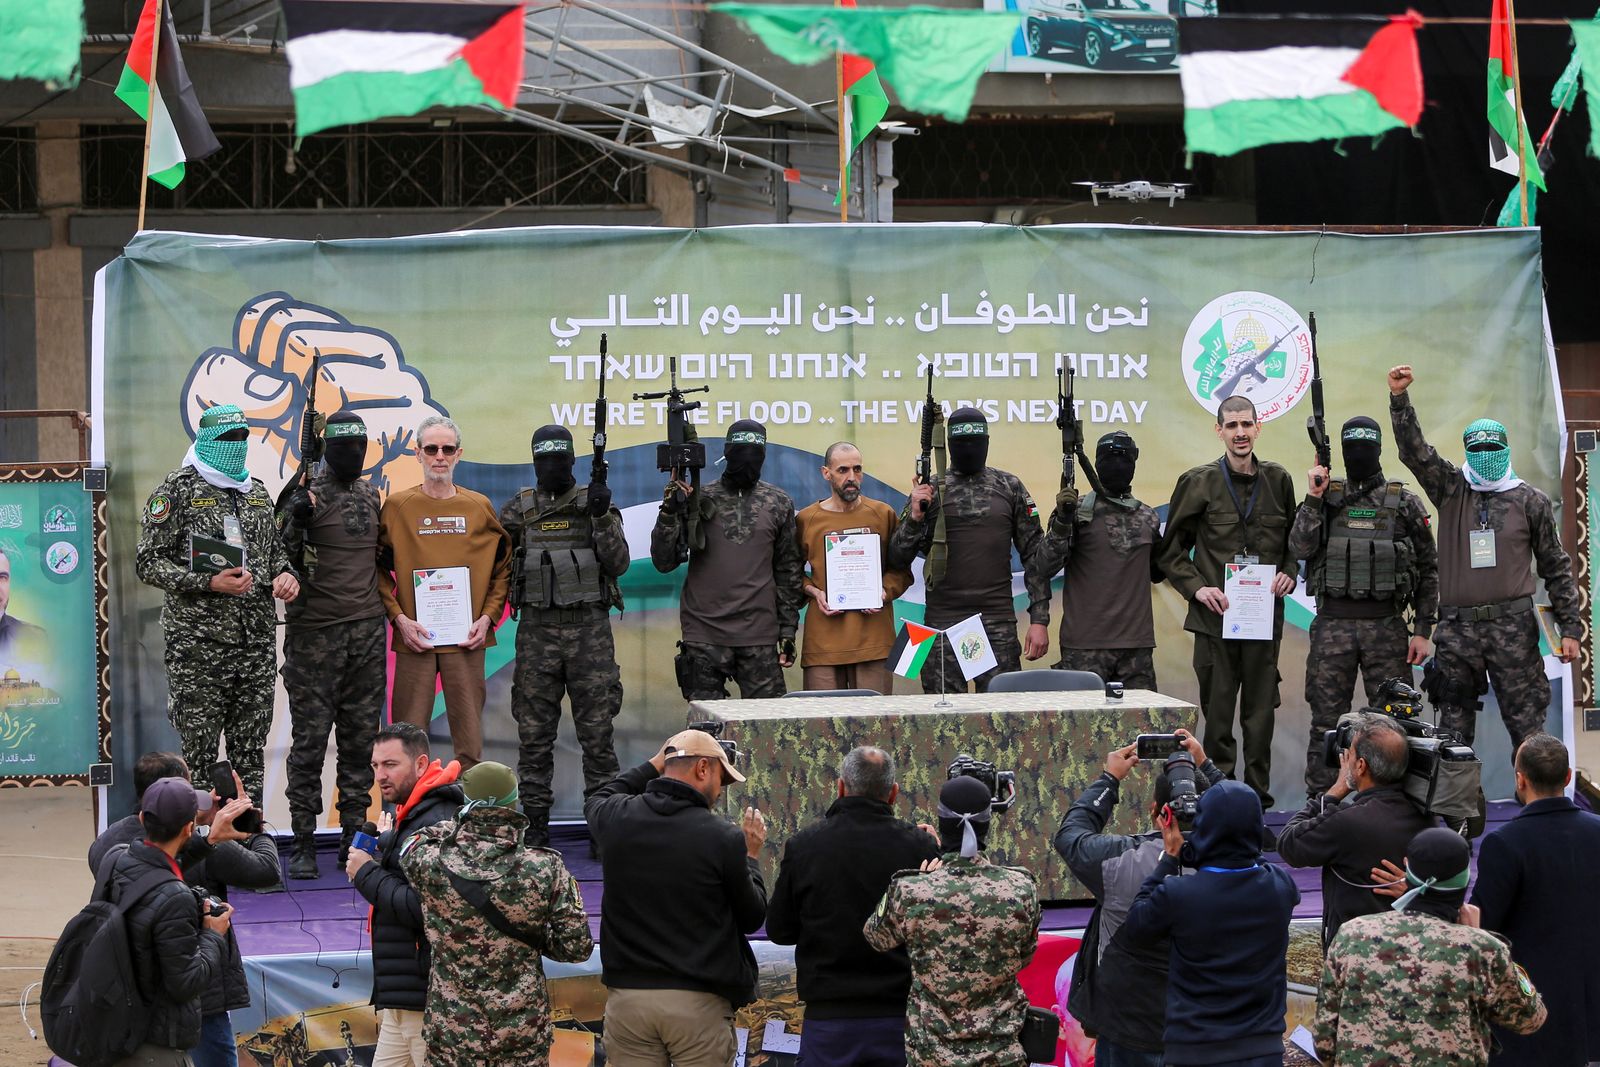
x,y
1251,603
854,565
208,555
444,603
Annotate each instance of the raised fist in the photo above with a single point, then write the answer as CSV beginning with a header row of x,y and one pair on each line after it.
x,y
362,369
1400,378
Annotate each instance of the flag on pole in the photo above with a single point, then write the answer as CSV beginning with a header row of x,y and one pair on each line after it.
x,y
932,56
178,128
911,648
1586,37
864,107
1503,117
360,60
973,650
1250,82
40,39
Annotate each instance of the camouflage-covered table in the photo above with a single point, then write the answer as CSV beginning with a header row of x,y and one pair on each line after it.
x,y
1055,742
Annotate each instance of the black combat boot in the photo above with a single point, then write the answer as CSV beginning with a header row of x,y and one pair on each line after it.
x,y
303,862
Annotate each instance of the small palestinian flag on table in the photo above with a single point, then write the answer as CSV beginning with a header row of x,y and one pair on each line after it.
x,y
360,60
1257,81
911,648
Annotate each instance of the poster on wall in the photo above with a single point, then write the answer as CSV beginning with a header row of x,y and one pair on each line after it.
x,y
52,716
1096,36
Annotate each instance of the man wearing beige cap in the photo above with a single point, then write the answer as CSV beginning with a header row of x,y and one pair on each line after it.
x,y
682,888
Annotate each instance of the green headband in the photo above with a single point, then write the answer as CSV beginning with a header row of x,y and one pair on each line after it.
x,y
1362,433
223,415
969,429
336,430
747,437
1486,432
555,444
1422,885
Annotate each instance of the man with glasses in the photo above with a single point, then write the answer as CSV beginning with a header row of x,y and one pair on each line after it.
x,y
210,540
452,562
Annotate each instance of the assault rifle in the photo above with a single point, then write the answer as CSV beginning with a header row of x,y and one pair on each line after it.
x,y
1317,421
932,415
683,456
310,442
1071,432
930,471
597,465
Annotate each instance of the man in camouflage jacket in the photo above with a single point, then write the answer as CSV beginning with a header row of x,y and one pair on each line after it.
x,y
487,999
740,606
969,926
1419,987
221,654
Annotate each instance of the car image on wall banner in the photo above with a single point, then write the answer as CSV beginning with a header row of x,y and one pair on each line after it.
x,y
1096,36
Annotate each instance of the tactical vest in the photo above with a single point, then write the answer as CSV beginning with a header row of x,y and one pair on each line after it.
x,y
559,568
1365,557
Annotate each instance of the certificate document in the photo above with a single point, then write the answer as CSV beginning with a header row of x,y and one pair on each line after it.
x,y
1251,605
444,603
855,571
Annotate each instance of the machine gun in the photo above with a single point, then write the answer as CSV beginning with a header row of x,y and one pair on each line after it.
x,y
932,416
930,471
598,467
1072,433
310,442
683,456
1317,421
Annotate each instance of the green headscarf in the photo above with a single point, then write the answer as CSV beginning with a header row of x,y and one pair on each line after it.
x,y
224,457
1488,454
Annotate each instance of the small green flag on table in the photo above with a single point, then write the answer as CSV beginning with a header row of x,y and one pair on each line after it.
x,y
40,39
931,56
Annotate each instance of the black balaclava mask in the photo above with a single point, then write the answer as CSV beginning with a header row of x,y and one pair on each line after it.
x,y
1115,456
1438,866
345,445
552,458
969,440
744,450
1362,442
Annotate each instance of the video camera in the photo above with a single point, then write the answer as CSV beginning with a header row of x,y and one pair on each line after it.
x,y
1002,785
1185,800
1442,771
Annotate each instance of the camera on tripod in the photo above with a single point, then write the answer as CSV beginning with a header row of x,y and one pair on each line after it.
x,y
1002,785
1442,772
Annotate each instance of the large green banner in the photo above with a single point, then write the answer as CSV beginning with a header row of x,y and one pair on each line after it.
x,y
50,714
823,333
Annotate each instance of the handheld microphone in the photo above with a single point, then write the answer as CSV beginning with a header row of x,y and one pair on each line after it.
x,y
366,838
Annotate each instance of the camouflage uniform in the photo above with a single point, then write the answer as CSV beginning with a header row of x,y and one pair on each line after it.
x,y
969,927
564,584
1377,640
981,511
1494,635
335,673
1409,990
1089,541
221,654
487,999
739,643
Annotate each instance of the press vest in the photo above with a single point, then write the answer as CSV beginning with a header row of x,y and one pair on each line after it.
x,y
558,561
1366,556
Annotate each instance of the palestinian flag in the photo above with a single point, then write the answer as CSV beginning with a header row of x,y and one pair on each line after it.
x,y
911,648
360,60
178,128
1503,116
867,104
1249,81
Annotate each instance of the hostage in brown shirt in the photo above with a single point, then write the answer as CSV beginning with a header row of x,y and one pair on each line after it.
x,y
847,649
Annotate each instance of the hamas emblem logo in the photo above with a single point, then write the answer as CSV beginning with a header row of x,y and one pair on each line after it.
x,y
60,519
61,558
1250,344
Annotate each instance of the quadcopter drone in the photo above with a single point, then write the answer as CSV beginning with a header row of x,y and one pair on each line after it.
x,y
1171,192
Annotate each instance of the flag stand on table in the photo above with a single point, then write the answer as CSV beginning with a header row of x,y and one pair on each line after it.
x,y
149,121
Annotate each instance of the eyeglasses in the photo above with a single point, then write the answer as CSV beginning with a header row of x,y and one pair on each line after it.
x,y
436,450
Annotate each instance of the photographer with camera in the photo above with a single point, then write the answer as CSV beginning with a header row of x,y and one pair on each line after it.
x,y
1363,819
1119,993
969,926
1422,984
217,855
1228,924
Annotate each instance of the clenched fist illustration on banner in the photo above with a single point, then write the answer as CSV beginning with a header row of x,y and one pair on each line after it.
x,y
361,369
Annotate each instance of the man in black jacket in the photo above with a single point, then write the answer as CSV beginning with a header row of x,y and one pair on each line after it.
x,y
833,874
1349,838
176,954
1130,983
216,856
423,793
682,888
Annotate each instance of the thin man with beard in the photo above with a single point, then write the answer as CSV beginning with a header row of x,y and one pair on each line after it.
x,y
846,649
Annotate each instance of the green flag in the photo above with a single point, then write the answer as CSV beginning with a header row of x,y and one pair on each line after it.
x,y
1511,213
39,39
930,56
1586,36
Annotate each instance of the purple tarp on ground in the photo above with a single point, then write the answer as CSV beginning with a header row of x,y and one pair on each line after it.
x,y
328,915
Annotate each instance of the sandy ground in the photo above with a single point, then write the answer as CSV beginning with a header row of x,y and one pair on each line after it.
x,y
44,880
